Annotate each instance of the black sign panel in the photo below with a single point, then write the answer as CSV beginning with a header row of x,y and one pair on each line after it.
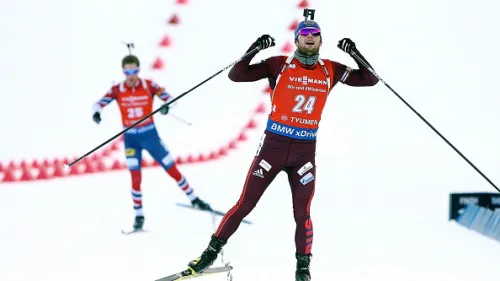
x,y
458,201
479,212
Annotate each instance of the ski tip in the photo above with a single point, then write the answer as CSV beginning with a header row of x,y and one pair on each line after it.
x,y
67,167
185,205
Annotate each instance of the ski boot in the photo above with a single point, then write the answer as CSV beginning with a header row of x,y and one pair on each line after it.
x,y
138,223
208,256
302,273
200,204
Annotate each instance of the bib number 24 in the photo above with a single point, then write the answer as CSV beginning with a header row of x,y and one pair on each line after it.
x,y
304,104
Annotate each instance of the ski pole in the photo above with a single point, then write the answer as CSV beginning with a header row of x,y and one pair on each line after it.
x,y
363,62
251,52
180,119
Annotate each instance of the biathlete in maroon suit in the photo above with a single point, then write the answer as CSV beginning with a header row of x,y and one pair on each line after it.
x,y
301,85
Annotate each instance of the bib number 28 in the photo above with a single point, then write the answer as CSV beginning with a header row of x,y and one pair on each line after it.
x,y
304,104
135,112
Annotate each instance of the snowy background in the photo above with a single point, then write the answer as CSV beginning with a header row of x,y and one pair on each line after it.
x,y
381,205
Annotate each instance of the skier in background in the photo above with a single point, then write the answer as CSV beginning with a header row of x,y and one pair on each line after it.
x,y
301,84
135,99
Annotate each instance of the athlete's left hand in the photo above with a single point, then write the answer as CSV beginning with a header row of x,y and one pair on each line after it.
x,y
164,110
347,45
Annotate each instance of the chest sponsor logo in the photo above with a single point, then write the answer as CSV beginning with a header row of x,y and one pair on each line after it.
x,y
299,133
135,98
306,88
304,121
306,80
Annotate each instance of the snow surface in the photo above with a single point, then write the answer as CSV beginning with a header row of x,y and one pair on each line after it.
x,y
381,203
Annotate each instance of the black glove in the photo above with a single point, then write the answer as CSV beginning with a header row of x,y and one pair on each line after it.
x,y
347,46
97,117
264,42
164,110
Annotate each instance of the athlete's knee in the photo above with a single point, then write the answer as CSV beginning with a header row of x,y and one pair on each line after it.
x,y
302,204
244,210
132,159
300,214
133,164
167,161
246,206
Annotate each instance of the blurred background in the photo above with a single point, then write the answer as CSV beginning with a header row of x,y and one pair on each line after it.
x,y
382,204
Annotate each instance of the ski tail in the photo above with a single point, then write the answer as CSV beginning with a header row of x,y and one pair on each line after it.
x,y
132,231
187,274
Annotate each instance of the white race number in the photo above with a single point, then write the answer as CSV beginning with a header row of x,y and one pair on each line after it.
x,y
304,104
135,112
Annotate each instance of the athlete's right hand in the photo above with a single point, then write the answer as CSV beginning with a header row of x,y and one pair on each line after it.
x,y
265,41
97,117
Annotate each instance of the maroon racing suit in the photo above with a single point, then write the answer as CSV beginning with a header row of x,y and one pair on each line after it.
x,y
278,153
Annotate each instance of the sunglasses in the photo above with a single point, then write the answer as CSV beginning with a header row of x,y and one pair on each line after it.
x,y
131,71
307,30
